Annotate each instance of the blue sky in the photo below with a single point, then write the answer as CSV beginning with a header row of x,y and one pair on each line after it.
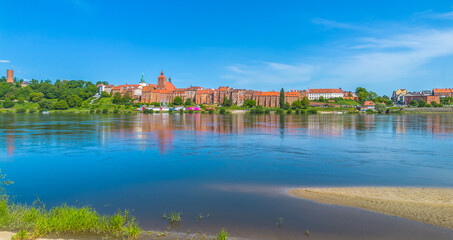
x,y
262,45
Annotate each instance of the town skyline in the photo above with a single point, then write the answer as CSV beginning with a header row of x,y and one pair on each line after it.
x,y
379,46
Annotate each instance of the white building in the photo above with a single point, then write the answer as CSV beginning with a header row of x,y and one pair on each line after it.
x,y
314,94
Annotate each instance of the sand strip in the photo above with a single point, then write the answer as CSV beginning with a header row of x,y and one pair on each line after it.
x,y
427,205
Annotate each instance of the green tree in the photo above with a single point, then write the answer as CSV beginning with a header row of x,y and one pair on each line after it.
x,y
75,101
362,94
117,99
61,105
414,103
296,104
177,101
305,102
227,102
36,97
249,103
188,102
21,100
45,104
8,103
127,99
281,100
422,103
105,94
380,108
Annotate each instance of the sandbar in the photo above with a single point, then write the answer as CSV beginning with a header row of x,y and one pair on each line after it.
x,y
432,206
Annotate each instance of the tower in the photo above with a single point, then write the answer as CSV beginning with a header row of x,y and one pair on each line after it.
x,y
161,81
142,81
10,76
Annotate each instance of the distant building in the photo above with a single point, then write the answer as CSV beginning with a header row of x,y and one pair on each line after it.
x,y
408,98
9,76
368,105
315,94
398,96
443,92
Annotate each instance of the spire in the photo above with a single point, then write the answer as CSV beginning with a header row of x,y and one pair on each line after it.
x,y
143,78
162,72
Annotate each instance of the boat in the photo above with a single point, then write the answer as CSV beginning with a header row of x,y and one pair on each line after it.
x,y
45,112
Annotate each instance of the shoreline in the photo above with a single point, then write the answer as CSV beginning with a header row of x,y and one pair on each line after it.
x,y
433,206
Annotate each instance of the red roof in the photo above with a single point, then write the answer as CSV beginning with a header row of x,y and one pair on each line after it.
x,y
369,103
325,90
442,90
270,93
291,94
169,86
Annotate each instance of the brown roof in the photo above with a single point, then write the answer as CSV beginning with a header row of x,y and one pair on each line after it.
x,y
442,90
291,94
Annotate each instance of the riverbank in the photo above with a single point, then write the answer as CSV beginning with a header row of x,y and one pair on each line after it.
x,y
7,235
432,206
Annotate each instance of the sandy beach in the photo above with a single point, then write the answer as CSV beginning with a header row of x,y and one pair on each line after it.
x,y
427,205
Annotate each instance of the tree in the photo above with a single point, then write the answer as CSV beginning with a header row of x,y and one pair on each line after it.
x,y
61,105
8,103
422,103
305,102
362,94
188,102
322,99
380,108
389,103
21,100
286,106
75,101
227,102
177,101
296,104
282,98
126,99
105,94
414,103
249,103
36,97
45,104
117,98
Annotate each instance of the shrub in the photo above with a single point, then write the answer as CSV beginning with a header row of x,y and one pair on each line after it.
x,y
105,110
369,111
181,111
211,111
8,103
312,111
116,110
32,110
91,110
61,105
297,111
21,100
381,108
303,111
267,111
190,111
279,111
98,110
21,110
223,235
289,111
222,111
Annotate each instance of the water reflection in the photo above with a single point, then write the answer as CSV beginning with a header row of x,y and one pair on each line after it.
x,y
60,127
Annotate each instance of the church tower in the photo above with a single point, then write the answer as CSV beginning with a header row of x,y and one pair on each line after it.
x,y
142,81
161,80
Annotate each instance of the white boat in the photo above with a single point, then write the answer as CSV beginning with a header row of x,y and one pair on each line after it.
x,y
45,112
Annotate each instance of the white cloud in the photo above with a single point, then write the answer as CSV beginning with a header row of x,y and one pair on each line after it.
x,y
435,15
334,24
4,61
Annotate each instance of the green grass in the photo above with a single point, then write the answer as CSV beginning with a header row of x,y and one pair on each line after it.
x,y
37,221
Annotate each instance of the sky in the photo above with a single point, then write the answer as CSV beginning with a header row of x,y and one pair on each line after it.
x,y
262,45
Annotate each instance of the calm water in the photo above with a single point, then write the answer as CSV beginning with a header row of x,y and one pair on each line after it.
x,y
234,168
